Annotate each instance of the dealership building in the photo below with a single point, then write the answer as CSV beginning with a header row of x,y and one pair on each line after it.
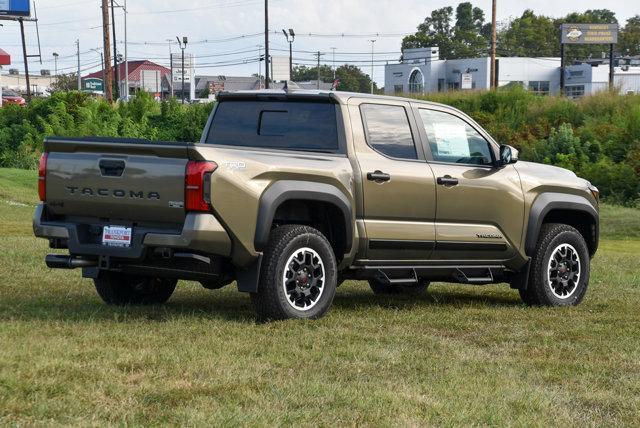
x,y
422,71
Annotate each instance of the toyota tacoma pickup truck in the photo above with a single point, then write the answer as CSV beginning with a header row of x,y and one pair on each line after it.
x,y
290,193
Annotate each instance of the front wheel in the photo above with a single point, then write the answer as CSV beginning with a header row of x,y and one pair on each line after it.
x,y
298,275
559,268
119,289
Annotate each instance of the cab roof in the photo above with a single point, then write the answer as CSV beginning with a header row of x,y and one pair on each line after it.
x,y
335,96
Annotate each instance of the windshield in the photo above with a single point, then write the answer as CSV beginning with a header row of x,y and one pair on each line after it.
x,y
9,93
292,125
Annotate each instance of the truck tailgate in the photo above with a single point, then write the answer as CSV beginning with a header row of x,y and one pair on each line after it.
x,y
116,179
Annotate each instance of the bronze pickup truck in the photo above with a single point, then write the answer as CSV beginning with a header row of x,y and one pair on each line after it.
x,y
289,193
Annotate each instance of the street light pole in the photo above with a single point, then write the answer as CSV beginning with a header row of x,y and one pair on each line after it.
x,y
290,40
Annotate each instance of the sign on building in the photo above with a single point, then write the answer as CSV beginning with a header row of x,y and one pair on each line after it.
x,y
93,84
589,34
466,81
280,68
151,81
15,8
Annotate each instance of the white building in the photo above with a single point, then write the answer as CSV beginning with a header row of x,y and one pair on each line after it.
x,y
421,71
587,79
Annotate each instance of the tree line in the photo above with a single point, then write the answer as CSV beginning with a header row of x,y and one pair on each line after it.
x,y
466,34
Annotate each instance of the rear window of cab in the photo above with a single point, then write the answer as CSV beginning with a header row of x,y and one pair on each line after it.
x,y
284,125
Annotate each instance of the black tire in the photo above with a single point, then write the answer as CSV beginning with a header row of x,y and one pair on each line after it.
x,y
119,289
564,280
310,288
381,287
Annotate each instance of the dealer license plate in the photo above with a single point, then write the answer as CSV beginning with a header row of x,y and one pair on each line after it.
x,y
116,236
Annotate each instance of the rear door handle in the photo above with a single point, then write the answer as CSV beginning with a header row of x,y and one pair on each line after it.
x,y
378,176
447,180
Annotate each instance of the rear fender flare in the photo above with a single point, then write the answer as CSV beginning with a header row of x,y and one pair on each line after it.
x,y
285,190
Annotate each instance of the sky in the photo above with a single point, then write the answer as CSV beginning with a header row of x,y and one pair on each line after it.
x,y
223,34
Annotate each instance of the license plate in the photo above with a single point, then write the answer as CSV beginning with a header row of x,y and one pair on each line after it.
x,y
116,236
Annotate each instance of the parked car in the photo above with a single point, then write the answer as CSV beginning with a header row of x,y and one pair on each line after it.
x,y
12,97
289,193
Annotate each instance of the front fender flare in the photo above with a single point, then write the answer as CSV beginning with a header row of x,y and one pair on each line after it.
x,y
547,202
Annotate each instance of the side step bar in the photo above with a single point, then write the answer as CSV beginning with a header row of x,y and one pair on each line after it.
x,y
467,274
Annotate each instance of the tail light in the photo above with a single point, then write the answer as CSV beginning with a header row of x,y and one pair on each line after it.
x,y
198,177
42,177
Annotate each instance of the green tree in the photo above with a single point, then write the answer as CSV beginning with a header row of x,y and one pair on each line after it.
x,y
352,78
529,35
468,37
629,43
65,82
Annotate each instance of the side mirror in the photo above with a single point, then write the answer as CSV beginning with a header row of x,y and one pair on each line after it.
x,y
508,155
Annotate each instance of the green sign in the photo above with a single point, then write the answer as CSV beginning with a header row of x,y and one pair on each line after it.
x,y
93,84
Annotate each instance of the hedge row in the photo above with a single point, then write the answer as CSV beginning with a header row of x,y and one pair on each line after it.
x,y
598,137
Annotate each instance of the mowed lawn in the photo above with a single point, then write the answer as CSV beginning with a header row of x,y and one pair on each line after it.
x,y
458,355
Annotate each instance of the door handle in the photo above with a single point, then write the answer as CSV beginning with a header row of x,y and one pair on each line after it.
x,y
447,180
378,176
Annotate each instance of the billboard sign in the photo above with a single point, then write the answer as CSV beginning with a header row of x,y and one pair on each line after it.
x,y
280,68
589,34
15,8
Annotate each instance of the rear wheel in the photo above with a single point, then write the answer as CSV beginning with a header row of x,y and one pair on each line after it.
x,y
298,275
559,268
379,286
119,289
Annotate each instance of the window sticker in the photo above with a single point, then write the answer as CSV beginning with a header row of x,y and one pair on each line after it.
x,y
451,139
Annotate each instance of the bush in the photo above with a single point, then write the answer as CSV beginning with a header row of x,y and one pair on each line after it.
x,y
75,114
597,137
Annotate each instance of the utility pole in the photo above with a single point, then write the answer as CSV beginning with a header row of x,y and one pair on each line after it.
x,y
106,47
266,44
115,53
334,62
372,52
55,60
183,46
170,41
259,66
290,40
26,59
126,55
318,55
79,78
493,77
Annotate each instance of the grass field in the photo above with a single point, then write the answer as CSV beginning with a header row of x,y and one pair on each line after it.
x,y
458,355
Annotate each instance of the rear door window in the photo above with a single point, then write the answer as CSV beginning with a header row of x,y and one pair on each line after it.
x,y
388,130
292,125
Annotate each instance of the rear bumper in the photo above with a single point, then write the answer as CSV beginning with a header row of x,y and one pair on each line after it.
x,y
201,232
